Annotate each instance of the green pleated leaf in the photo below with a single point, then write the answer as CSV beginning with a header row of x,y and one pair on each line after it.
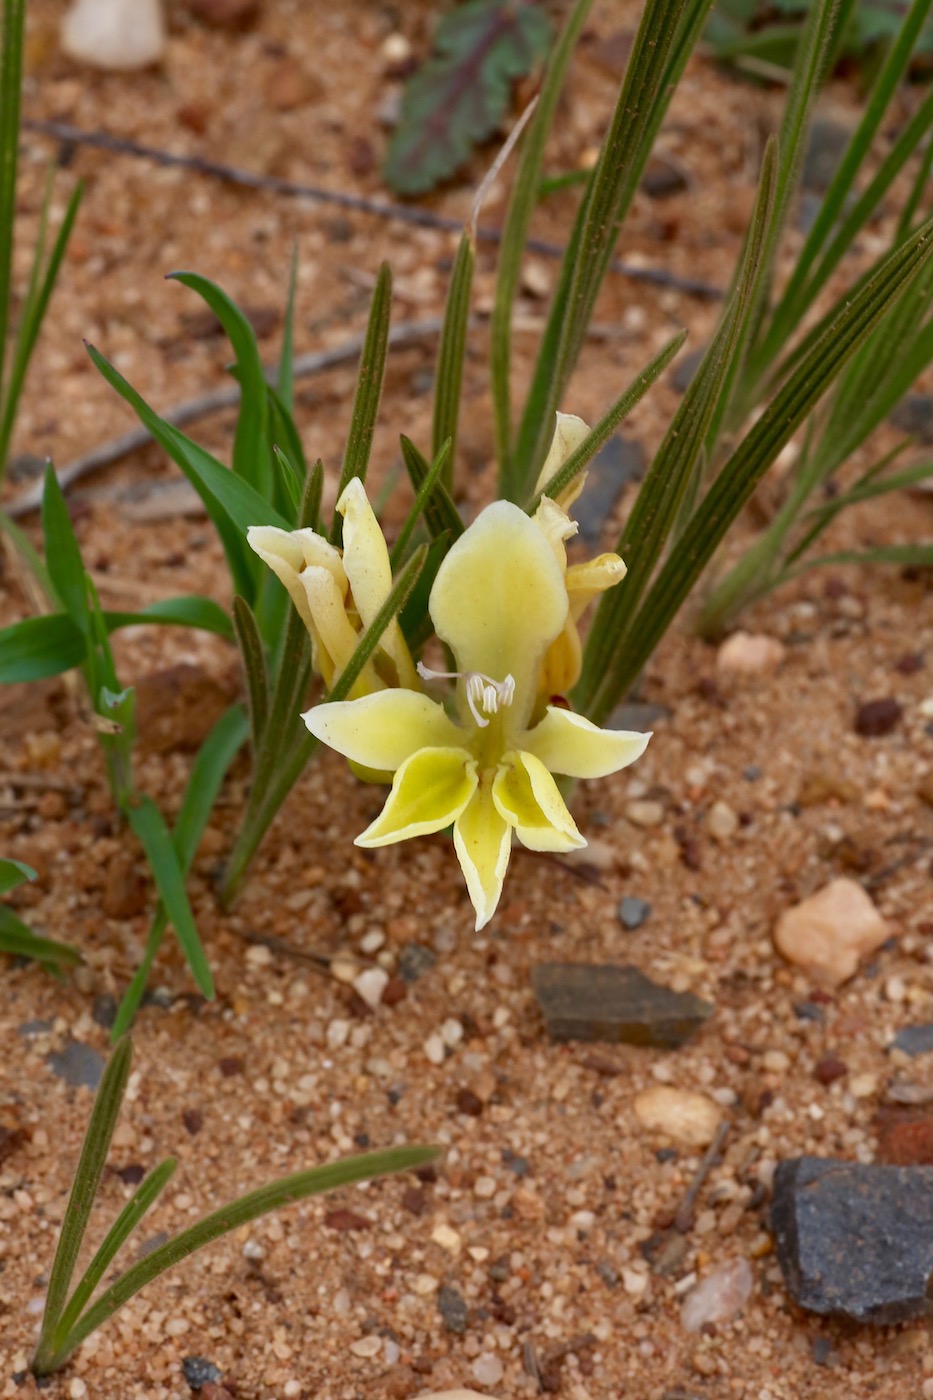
x,y
39,647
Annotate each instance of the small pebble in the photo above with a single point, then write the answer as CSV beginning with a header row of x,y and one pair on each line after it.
x,y
633,912
367,1346
831,931
370,985
645,812
434,1049
447,1238
198,1371
337,1034
719,1296
116,35
914,1040
749,654
875,718
487,1369
453,1309
721,822
682,1114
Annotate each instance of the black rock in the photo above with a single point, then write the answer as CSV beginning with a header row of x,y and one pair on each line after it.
x,y
914,1040
662,179
619,462
77,1064
619,1004
104,1010
414,960
198,1371
633,911
855,1240
453,1309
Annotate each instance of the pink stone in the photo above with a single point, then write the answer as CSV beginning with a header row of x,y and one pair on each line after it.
x,y
719,1296
828,933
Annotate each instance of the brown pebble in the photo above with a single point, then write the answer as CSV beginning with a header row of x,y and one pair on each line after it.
x,y
226,14
193,1120
13,1132
910,663
415,1200
395,990
469,1103
52,807
230,1065
290,85
400,1383
343,1220
829,1069
125,889
905,1137
212,1390
875,718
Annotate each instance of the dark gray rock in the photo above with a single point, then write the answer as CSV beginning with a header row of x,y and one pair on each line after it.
x,y
77,1064
855,1240
414,960
453,1309
662,179
618,1004
635,714
633,911
914,415
619,462
198,1371
914,1040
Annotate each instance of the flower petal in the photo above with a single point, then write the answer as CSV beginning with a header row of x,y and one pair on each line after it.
x,y
568,434
288,553
526,795
499,600
584,581
483,842
383,730
331,630
429,791
366,561
568,743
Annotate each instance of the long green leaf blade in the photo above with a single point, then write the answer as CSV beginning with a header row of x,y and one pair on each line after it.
x,y
39,647
19,941
368,390
148,824
84,1189
448,386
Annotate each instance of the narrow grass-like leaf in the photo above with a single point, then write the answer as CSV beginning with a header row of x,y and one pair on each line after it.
x,y
254,666
419,505
309,513
866,489
646,91
208,771
368,391
289,482
19,941
600,434
14,873
149,825
440,513
42,283
274,1196
907,555
202,614
12,21
84,1189
39,647
448,385
790,308
63,554
143,1198
737,481
515,233
414,618
660,499
231,502
250,444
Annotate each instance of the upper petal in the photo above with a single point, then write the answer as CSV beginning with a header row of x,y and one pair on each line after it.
x,y
568,434
483,842
584,581
527,797
382,730
499,600
567,743
429,791
366,561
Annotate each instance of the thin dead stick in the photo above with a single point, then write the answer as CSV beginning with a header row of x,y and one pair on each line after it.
x,y
683,1220
228,396
360,204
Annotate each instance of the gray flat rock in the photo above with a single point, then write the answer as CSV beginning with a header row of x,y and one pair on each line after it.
x,y
617,1004
914,1040
77,1064
855,1240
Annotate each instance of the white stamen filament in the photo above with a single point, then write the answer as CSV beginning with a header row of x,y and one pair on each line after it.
x,y
484,695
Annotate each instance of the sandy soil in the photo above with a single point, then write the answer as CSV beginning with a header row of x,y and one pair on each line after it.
x,y
549,1187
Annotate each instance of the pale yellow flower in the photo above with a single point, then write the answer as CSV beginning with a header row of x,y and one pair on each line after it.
x,y
339,592
499,602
